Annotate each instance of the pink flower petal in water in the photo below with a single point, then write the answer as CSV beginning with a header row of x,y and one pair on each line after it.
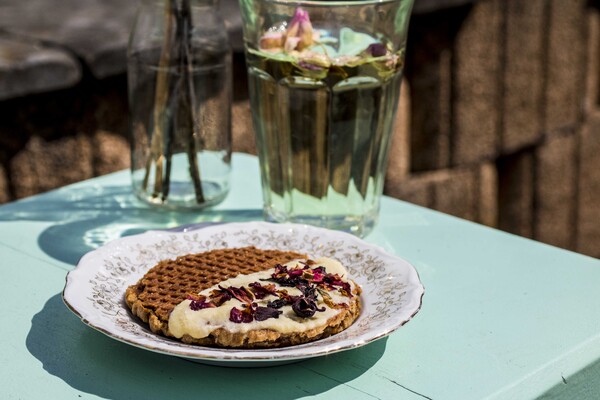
x,y
271,40
299,27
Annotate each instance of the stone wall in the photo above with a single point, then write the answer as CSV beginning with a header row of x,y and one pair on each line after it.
x,y
505,118
499,120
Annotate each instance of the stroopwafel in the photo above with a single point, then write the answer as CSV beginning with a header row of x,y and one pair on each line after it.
x,y
168,283
171,282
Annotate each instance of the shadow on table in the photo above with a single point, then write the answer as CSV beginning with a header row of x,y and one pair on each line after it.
x,y
88,217
93,363
585,384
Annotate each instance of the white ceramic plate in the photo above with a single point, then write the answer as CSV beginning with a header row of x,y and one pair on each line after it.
x,y
95,289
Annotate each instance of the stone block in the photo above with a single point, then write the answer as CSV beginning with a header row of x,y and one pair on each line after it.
x,y
475,85
455,193
565,64
515,193
110,153
588,215
416,189
106,108
469,193
429,71
555,191
28,67
241,127
399,152
522,74
43,165
592,89
5,195
96,31
487,212
463,192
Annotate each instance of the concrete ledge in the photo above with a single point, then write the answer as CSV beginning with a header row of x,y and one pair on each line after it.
x,y
94,31
28,67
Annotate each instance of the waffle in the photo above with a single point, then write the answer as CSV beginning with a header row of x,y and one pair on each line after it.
x,y
170,282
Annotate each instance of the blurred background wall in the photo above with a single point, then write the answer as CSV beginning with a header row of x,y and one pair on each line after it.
x,y
499,121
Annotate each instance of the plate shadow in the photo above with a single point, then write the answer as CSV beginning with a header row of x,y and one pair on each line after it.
x,y
91,362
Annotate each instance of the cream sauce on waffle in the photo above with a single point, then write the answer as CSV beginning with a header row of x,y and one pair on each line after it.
x,y
200,323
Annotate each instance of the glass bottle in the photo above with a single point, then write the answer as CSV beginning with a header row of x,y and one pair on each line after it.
x,y
179,85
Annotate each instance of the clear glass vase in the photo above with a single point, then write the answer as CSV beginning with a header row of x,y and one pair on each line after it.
x,y
179,82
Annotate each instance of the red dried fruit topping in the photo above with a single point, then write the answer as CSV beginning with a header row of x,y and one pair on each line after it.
x,y
329,301
199,302
241,316
277,303
260,291
318,274
242,293
302,276
219,296
309,281
263,313
305,306
285,296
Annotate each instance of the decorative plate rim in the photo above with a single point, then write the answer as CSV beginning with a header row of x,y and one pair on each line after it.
x,y
94,290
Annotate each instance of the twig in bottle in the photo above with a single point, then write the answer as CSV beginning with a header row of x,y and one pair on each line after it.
x,y
174,104
189,99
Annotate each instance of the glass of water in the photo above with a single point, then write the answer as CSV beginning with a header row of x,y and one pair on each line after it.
x,y
324,80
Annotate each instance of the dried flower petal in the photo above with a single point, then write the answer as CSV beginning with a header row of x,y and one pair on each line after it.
x,y
290,44
219,297
276,303
300,32
242,293
285,296
289,278
331,281
199,302
318,274
271,40
376,50
305,307
260,291
241,316
327,299
263,313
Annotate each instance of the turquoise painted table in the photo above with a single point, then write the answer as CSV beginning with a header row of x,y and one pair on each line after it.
x,y
502,317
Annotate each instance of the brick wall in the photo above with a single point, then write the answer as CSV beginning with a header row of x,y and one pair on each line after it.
x,y
504,124
55,138
499,122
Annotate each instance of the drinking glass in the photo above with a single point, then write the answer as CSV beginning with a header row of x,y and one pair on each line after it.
x,y
324,82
